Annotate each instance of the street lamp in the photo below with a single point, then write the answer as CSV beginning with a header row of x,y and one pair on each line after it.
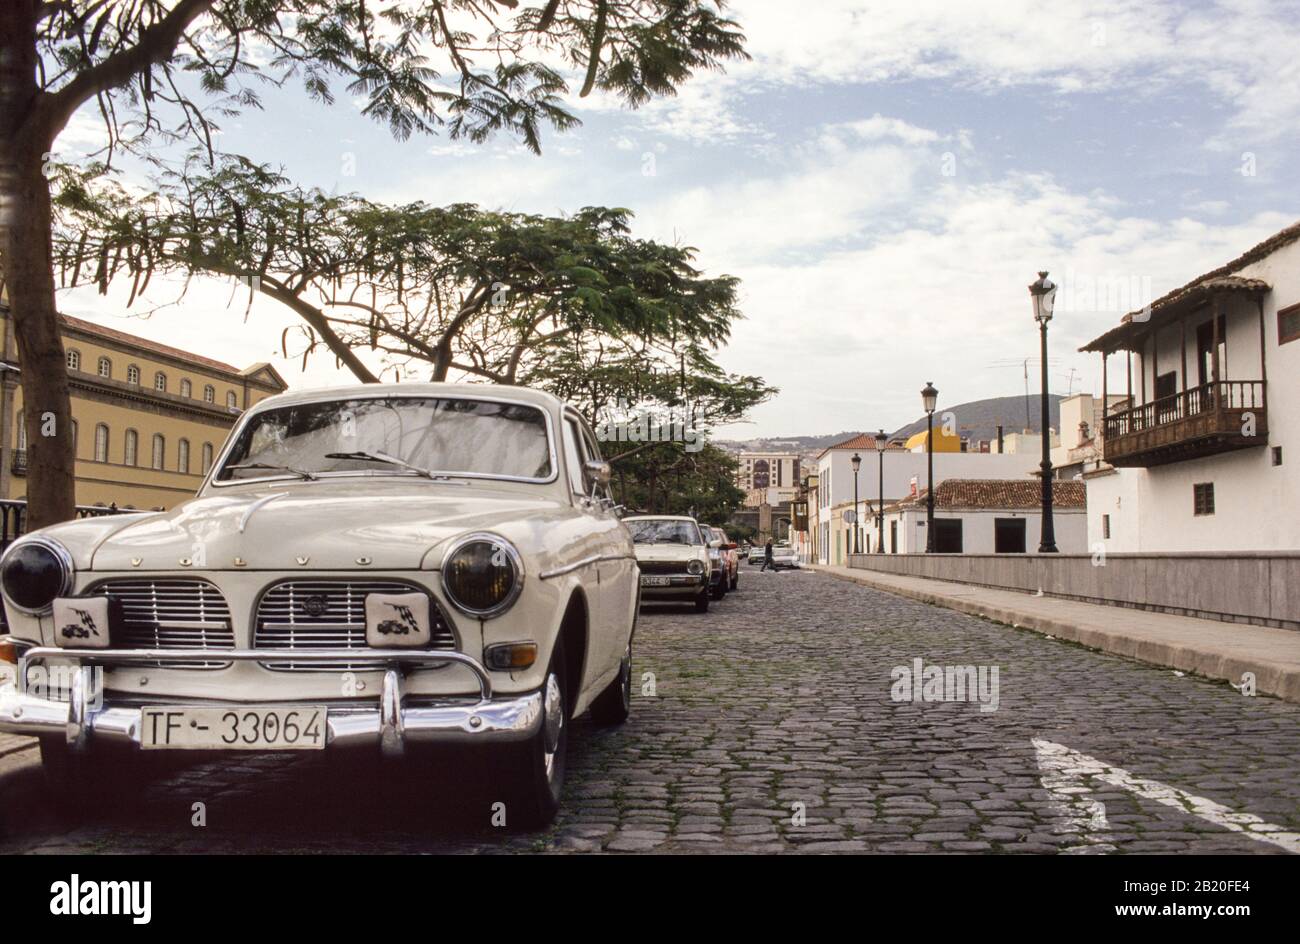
x,y
857,464
880,520
1043,295
929,397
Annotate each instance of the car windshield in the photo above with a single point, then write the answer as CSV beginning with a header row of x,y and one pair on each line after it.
x,y
665,531
392,436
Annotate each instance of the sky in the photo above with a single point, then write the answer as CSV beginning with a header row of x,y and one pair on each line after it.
x,y
885,178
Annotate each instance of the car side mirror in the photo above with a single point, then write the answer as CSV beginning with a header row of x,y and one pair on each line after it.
x,y
598,471
715,544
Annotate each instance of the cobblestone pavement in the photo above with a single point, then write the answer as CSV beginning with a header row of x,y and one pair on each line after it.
x,y
771,728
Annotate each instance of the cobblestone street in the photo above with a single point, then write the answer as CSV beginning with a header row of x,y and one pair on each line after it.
x,y
772,728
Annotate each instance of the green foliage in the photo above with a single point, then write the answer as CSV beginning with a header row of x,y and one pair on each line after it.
x,y
672,481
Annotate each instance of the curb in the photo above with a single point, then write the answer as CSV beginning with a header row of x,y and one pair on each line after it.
x,y
1271,678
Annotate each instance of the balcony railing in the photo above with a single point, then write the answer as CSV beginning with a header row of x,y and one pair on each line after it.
x,y
1211,418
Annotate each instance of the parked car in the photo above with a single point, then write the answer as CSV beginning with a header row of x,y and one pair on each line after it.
x,y
730,554
783,555
395,568
756,555
722,561
674,559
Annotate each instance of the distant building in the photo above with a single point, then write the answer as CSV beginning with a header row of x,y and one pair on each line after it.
x,y
943,441
904,475
989,516
758,473
147,419
1202,452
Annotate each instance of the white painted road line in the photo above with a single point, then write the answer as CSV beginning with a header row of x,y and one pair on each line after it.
x,y
1065,772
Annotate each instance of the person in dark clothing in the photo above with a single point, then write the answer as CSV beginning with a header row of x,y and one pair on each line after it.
x,y
767,557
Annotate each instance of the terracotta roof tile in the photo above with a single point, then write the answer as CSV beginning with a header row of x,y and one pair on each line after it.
x,y
1023,494
112,334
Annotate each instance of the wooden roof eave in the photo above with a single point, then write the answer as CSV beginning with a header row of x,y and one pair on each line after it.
x,y
1135,327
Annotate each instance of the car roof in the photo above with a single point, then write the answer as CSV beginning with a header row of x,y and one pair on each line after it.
x,y
662,518
539,398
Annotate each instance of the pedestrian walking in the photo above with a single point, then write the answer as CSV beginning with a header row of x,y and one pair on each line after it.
x,y
767,557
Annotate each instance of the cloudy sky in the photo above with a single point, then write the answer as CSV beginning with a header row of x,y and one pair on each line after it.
x,y
884,177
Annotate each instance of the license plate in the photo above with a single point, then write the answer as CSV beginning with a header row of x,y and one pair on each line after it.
x,y
232,729
656,581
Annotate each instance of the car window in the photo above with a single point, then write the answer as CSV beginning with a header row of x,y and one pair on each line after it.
x,y
664,531
573,457
586,443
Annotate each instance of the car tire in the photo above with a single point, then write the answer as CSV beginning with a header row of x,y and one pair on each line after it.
x,y
720,591
702,602
735,582
536,769
614,704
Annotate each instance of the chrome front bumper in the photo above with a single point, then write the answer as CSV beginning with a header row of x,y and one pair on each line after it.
x,y
87,716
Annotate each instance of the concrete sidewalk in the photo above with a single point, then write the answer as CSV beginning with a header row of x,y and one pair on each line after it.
x,y
1206,647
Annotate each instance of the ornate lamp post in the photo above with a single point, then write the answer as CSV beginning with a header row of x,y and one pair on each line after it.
x,y
857,464
880,514
1043,294
929,397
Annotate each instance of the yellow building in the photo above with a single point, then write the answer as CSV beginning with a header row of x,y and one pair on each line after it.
x,y
147,418
943,441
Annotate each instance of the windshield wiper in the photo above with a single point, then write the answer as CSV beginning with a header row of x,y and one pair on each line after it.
x,y
309,476
385,458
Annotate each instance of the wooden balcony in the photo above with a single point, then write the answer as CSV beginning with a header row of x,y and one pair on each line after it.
x,y
1212,418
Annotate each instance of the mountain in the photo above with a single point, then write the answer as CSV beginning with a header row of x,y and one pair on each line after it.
x,y
979,419
976,420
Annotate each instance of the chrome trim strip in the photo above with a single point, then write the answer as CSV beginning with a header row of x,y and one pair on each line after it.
x,y
585,562
248,512
382,658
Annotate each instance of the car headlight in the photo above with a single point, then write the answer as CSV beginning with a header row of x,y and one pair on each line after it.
x,y
482,575
35,571
695,567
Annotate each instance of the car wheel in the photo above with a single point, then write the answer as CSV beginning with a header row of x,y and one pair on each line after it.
x,y
735,581
702,602
719,591
614,704
537,771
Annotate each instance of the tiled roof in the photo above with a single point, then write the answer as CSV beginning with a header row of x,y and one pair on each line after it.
x,y
860,441
121,337
1010,494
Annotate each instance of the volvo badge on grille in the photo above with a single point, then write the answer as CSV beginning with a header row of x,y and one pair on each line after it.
x,y
314,606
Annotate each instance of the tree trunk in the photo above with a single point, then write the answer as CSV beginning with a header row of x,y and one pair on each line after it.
x,y
29,276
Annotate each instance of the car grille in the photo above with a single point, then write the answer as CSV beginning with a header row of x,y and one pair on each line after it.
x,y
662,567
171,613
330,614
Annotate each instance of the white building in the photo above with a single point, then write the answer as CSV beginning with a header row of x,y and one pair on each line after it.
x,y
986,517
1205,447
905,475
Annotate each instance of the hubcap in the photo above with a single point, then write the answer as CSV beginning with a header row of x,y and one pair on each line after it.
x,y
552,720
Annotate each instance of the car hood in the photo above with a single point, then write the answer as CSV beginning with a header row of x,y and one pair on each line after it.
x,y
321,527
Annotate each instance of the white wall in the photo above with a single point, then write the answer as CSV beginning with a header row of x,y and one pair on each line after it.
x,y
1257,504
1070,526
835,472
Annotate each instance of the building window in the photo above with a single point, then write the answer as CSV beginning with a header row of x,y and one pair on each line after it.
x,y
947,536
74,439
209,394
1203,498
1288,324
232,402
207,457
101,443
22,432
183,457
74,360
133,374
105,367
1105,527
131,447
159,451
160,382
187,389
1008,535
1277,455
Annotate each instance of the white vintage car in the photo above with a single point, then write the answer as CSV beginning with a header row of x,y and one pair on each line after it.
x,y
378,566
673,557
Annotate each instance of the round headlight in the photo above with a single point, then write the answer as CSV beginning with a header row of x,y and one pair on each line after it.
x,y
34,572
695,567
482,575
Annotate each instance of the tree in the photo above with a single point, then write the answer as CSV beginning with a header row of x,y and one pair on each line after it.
x,y
163,70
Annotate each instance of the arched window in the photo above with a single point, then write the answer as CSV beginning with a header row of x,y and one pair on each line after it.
x,y
207,458
183,457
187,388
131,447
232,402
133,374
159,451
101,443
160,382
105,367
209,394
74,360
